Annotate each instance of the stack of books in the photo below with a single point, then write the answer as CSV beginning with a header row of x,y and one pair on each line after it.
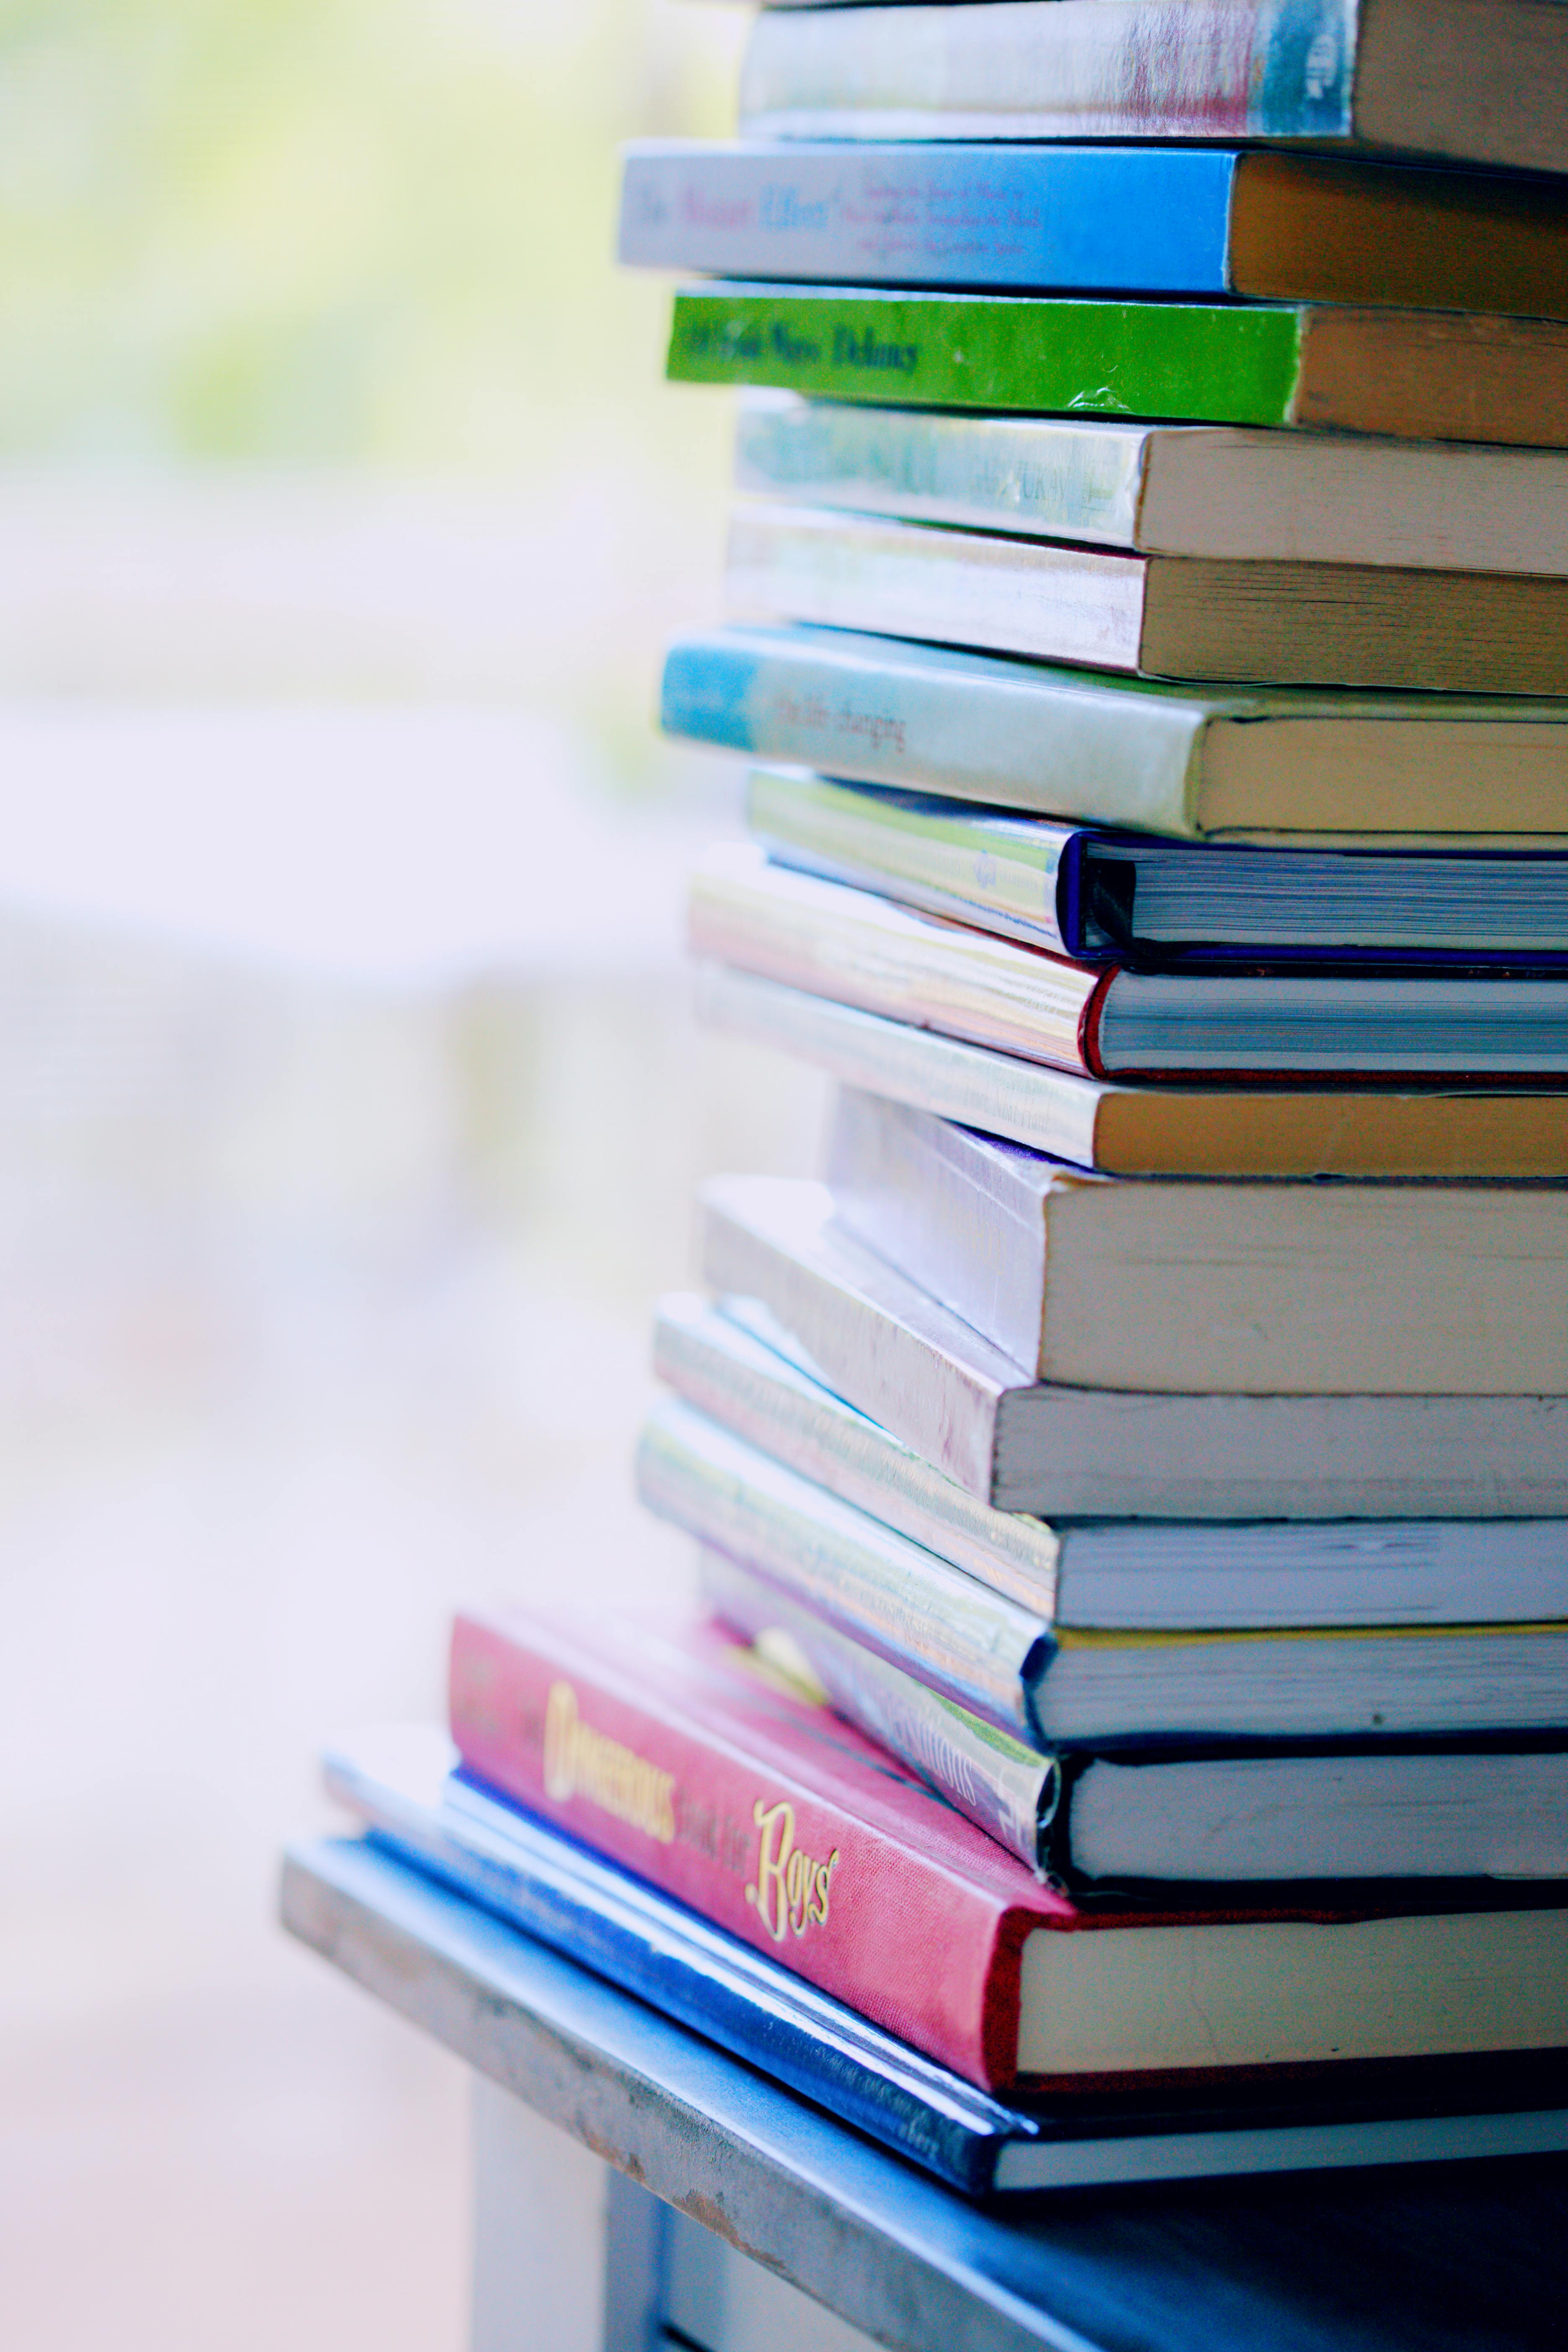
x,y
1132,1484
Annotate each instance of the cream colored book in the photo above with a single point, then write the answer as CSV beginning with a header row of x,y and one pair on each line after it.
x,y
1153,616
1227,492
1213,1289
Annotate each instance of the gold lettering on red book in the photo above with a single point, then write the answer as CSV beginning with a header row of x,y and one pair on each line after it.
x,y
790,1889
582,1762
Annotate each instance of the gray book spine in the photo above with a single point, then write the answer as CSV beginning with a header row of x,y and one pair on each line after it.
x,y
731,1375
1003,1788
866,1332
958,1212
855,1325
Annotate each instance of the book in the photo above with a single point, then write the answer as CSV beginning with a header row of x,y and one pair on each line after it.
x,y
669,1753
403,1782
1428,375
1054,1686
1154,1130
1270,1288
1152,616
1135,1574
1230,494
1102,898
426,1819
831,939
1406,75
771,1252
1277,765
1159,1818
1194,221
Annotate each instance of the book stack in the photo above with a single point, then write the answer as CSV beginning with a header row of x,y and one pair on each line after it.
x,y
1132,1484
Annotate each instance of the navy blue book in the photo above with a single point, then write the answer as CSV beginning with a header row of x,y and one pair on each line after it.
x,y
400,1782
1197,221
1156,905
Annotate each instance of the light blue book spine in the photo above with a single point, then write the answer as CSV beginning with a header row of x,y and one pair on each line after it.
x,y
1023,735
1152,220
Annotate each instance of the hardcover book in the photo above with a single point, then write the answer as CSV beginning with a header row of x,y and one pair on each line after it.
x,y
1159,1817
1055,1685
1140,220
1420,375
450,1828
1155,615
1154,1130
1256,1288
773,1252
1135,1574
1118,1022
1406,75
1231,495
668,1754
1102,898
1275,765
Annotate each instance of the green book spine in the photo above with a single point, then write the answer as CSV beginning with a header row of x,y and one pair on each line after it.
x,y
1220,364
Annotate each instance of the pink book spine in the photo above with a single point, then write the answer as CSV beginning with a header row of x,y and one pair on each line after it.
x,y
635,1772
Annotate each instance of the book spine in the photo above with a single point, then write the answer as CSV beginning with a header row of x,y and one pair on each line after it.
x,y
1152,220
921,1614
730,1376
945,1207
831,1316
610,1922
1054,69
908,580
1050,480
1047,1110
1050,742
1005,876
777,1863
997,1783
1205,364
865,950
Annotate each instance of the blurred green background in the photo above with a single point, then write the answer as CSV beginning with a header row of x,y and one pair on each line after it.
x,y
329,232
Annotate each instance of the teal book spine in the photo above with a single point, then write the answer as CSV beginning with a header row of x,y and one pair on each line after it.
x,y
1026,736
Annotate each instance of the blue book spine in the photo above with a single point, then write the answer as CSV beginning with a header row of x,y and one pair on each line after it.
x,y
1152,220
1019,735
457,1832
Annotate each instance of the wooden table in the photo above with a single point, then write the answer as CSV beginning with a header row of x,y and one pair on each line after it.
x,y
636,2189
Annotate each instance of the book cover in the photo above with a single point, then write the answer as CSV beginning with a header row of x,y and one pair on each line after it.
x,y
1060,68
1125,1131
1261,1288
1441,1816
1102,898
1440,376
448,1828
1390,1027
1130,1573
1162,220
1220,491
772,1251
1405,75
1179,617
1058,1686
670,1752
780,1825
1278,765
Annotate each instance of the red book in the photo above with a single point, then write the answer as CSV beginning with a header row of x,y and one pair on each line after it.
x,y
668,1749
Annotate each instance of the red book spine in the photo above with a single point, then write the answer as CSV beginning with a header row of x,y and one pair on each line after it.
x,y
667,1787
